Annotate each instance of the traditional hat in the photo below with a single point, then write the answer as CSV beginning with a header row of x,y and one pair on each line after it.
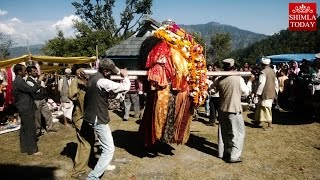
x,y
265,61
67,71
229,61
108,64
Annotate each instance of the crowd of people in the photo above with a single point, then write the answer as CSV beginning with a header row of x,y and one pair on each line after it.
x,y
83,100
291,86
84,103
296,88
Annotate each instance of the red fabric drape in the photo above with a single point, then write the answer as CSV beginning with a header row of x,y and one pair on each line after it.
x,y
159,65
9,96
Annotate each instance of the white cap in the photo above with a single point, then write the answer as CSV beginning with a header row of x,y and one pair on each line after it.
x,y
229,61
68,71
318,56
265,61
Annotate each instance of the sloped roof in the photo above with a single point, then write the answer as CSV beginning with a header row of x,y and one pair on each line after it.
x,y
131,46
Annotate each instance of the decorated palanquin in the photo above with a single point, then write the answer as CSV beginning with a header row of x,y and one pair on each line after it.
x,y
176,74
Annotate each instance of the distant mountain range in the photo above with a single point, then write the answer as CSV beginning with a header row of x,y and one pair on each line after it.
x,y
240,38
23,50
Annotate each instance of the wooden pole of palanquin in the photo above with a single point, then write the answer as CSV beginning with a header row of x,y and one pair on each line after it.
x,y
97,52
135,74
205,51
97,55
28,46
29,53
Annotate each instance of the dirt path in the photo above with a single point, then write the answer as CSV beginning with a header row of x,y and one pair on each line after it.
x,y
290,151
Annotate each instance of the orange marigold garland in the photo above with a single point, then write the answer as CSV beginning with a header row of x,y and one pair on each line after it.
x,y
178,39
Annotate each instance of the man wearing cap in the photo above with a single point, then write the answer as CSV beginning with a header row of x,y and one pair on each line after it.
x,y
231,131
266,91
96,111
76,93
66,103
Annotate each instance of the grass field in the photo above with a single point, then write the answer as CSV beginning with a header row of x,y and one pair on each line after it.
x,y
290,151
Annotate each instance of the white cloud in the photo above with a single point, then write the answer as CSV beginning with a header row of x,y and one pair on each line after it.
x,y
15,20
66,24
3,12
36,32
6,29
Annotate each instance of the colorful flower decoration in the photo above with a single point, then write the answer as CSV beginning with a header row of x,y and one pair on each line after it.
x,y
183,42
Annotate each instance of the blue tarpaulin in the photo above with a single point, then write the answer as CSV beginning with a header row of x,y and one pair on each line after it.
x,y
288,57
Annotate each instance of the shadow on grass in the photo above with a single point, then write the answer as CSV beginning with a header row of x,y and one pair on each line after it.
x,y
70,151
201,144
284,118
138,121
204,115
12,171
118,112
251,124
291,118
133,143
203,121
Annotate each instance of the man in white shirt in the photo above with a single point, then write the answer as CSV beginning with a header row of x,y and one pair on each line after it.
x,y
267,90
96,113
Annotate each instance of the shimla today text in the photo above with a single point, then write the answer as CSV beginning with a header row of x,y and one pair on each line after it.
x,y
302,24
300,17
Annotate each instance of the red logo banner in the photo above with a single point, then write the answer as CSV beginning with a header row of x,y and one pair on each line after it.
x,y
302,16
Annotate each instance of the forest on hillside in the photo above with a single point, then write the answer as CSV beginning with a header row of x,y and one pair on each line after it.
x,y
283,42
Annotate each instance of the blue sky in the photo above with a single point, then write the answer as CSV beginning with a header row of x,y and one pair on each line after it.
x,y
36,21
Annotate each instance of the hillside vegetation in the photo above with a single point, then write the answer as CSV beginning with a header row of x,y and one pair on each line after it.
x,y
240,38
23,50
281,43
